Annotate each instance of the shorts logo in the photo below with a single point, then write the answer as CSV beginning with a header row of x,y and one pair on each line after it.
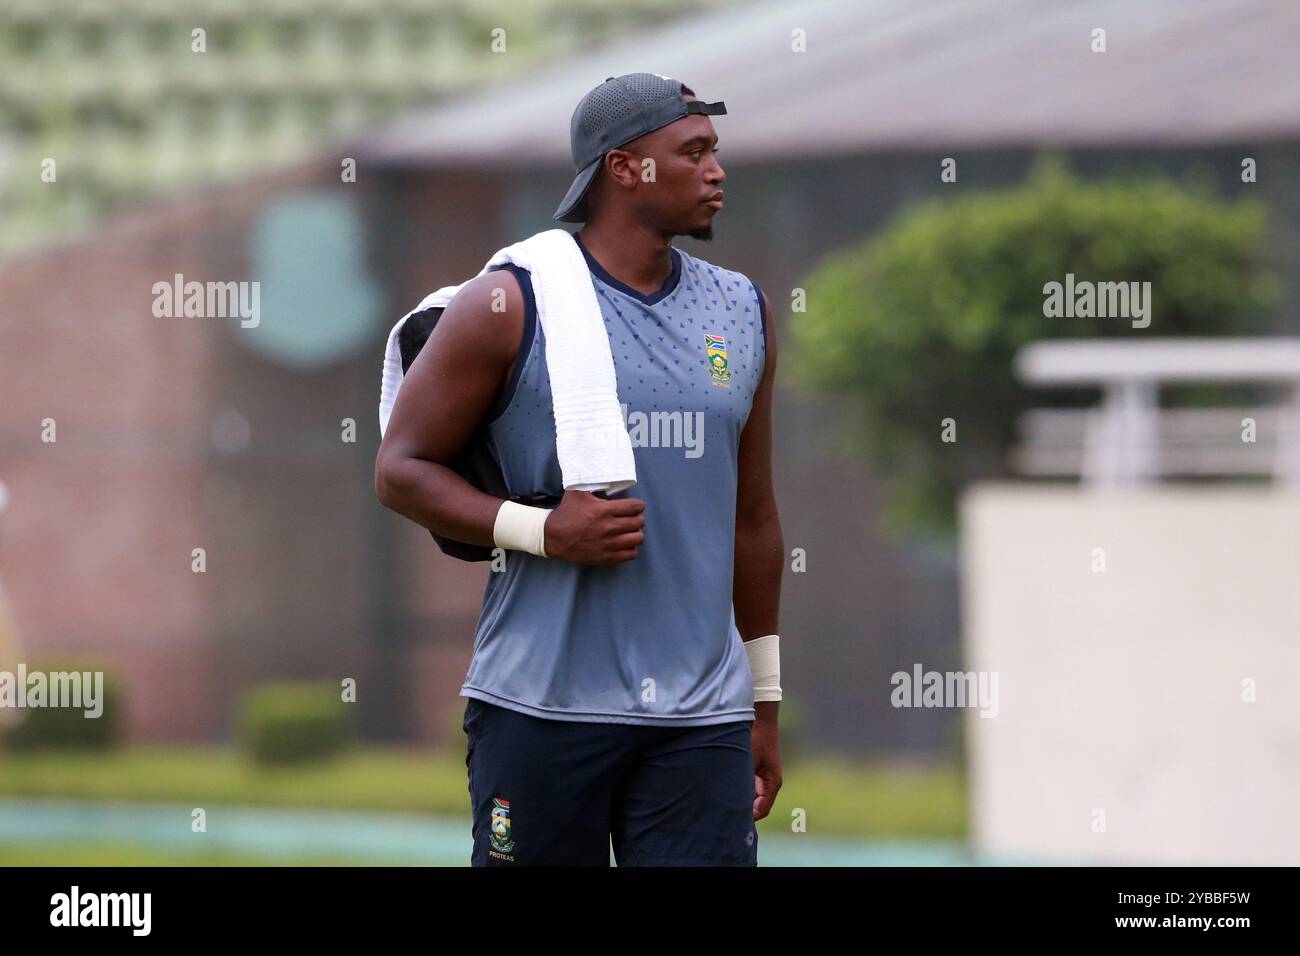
x,y
501,839
716,347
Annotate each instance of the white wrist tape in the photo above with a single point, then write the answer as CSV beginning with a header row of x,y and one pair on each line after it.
x,y
521,527
765,664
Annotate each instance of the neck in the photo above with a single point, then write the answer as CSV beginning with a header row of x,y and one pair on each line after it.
x,y
632,254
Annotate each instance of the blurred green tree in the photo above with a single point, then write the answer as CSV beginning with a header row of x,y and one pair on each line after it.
x,y
920,323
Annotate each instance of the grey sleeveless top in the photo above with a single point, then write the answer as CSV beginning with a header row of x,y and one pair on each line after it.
x,y
652,640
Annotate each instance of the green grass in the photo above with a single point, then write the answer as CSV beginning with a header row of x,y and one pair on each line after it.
x,y
838,797
113,854
872,800
367,779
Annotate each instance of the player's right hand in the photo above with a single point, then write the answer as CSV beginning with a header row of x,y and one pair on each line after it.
x,y
585,529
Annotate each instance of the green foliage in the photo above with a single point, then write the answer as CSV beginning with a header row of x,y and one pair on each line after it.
x,y
921,322
70,728
294,722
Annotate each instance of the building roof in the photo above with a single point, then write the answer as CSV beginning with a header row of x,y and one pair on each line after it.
x,y
892,74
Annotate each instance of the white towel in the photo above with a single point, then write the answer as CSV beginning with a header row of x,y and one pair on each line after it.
x,y
591,439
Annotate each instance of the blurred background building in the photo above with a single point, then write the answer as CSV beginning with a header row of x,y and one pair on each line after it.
x,y
142,98
352,157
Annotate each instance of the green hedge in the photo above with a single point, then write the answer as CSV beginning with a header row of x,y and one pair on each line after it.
x,y
38,728
290,722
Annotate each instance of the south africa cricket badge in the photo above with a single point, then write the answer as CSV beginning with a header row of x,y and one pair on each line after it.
x,y
502,841
716,347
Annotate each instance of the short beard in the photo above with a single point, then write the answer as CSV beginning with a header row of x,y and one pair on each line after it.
x,y
704,234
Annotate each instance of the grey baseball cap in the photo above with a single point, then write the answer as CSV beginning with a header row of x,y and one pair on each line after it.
x,y
615,113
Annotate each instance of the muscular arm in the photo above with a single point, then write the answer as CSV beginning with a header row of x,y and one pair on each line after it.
x,y
760,560
445,395
447,392
760,547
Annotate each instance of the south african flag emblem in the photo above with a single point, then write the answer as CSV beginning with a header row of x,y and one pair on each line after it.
x,y
715,347
501,839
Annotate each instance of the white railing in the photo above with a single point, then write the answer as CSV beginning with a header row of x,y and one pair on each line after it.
x,y
1130,440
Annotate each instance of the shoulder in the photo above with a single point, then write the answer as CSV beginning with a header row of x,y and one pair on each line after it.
x,y
731,280
712,269
498,290
488,301
488,311
733,283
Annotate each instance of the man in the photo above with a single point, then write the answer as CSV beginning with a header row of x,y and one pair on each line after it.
x,y
624,686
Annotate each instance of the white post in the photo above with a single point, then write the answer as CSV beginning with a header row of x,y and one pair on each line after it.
x,y
1120,439
1286,462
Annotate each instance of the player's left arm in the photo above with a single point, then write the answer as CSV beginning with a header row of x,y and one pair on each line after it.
x,y
759,563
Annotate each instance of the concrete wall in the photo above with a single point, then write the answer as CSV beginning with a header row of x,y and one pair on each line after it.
x,y
1124,690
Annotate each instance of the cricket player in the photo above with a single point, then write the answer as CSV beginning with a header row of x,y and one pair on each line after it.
x,y
625,680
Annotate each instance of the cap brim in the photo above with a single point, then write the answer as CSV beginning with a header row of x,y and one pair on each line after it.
x,y
573,209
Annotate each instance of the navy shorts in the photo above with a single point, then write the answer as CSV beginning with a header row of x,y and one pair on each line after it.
x,y
559,793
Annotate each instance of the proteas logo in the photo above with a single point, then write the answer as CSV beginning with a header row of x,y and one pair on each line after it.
x,y
716,347
501,839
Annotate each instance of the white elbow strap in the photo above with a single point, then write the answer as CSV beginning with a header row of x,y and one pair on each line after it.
x,y
521,528
765,664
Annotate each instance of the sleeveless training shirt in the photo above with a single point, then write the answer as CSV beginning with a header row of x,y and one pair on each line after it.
x,y
652,640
